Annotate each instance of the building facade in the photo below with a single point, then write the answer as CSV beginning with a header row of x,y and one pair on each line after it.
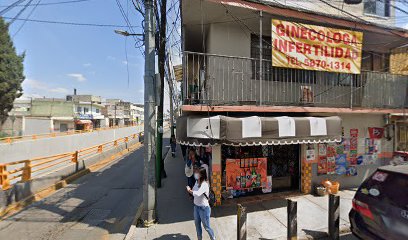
x,y
267,119
88,111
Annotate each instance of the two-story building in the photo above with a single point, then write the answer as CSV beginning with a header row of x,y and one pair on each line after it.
x,y
281,96
88,111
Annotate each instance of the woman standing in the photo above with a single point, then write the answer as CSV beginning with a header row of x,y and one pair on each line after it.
x,y
202,210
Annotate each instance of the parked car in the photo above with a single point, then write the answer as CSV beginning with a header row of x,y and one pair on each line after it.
x,y
380,205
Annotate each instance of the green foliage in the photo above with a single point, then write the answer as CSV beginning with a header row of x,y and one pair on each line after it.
x,y
11,72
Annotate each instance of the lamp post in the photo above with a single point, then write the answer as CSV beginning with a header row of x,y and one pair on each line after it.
x,y
149,169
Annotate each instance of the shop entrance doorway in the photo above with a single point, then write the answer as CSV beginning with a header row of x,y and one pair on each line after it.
x,y
283,166
250,170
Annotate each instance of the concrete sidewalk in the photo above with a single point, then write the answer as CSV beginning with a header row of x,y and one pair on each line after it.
x,y
266,213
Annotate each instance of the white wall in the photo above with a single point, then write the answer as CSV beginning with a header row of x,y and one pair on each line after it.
x,y
37,126
21,150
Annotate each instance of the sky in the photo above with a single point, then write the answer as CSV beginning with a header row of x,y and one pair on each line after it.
x,y
60,58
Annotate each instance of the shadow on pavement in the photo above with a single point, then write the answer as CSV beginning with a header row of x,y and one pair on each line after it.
x,y
177,236
104,201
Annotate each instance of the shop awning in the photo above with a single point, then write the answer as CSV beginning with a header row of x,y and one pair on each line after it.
x,y
83,121
249,131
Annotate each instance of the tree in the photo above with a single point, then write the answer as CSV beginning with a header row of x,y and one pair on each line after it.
x,y
11,72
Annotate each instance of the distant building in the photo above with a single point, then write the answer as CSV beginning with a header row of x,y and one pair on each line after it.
x,y
114,112
49,115
88,111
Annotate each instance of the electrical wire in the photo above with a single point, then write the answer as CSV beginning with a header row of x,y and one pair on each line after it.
x,y
68,23
51,3
20,12
29,15
9,7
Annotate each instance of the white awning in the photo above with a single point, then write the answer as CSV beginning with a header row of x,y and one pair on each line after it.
x,y
256,130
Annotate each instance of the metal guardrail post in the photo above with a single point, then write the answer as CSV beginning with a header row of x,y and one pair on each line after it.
x,y
100,148
241,222
126,139
115,143
26,176
4,181
75,157
334,217
292,219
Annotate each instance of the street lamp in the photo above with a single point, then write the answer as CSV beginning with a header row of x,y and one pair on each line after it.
x,y
127,34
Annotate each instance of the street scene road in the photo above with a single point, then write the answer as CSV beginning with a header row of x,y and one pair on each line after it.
x,y
203,119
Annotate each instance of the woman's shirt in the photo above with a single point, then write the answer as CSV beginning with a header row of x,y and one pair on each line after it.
x,y
198,193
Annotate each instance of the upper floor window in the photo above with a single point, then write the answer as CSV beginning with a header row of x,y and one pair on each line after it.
x,y
79,109
97,110
380,8
86,109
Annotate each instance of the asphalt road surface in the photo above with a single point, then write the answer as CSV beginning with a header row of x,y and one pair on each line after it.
x,y
100,205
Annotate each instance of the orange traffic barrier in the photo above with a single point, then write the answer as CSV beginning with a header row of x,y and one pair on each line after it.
x,y
56,134
23,171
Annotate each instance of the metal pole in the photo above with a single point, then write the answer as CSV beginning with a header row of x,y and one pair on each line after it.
x,y
241,223
292,219
149,180
260,57
334,216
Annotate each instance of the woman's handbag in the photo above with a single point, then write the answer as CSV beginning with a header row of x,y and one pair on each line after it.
x,y
211,199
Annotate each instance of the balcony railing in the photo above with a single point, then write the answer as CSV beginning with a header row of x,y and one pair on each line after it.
x,y
212,79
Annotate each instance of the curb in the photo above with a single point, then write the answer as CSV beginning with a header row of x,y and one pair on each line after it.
x,y
133,227
138,215
20,205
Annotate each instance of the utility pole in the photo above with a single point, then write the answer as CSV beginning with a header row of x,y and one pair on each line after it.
x,y
161,58
149,181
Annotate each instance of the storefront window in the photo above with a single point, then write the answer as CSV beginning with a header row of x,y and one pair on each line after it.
x,y
402,137
260,169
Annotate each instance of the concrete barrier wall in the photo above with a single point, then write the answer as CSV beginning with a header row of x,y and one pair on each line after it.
x,y
21,150
20,191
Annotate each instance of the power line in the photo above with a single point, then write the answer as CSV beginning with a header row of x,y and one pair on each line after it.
x,y
20,12
48,4
11,6
69,23
29,15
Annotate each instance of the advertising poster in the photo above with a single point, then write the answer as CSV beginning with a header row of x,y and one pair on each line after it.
x,y
340,149
331,165
331,150
341,164
313,47
322,165
322,149
346,144
351,171
310,155
376,132
246,173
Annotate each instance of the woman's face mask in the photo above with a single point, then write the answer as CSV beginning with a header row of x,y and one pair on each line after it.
x,y
196,176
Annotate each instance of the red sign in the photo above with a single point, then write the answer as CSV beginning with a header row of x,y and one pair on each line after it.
x,y
376,132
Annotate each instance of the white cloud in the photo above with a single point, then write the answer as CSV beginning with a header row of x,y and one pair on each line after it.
x,y
59,90
35,89
405,26
86,64
77,76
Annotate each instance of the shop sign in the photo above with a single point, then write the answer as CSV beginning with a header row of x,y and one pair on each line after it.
x,y
84,116
312,47
376,132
